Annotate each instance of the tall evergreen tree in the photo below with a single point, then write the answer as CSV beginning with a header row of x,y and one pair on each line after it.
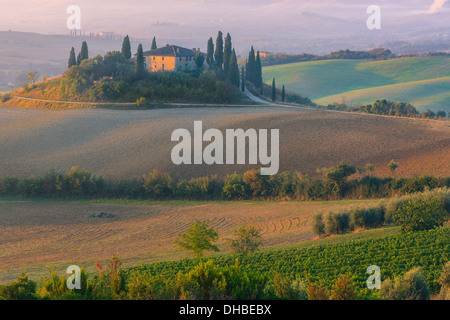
x,y
72,58
140,68
227,55
84,53
243,79
234,69
210,53
126,47
78,58
251,66
283,94
258,71
218,53
154,46
274,91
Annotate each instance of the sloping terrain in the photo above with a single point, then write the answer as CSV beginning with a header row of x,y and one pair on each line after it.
x,y
396,79
127,144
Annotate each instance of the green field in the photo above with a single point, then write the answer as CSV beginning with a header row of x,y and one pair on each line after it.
x,y
422,81
394,254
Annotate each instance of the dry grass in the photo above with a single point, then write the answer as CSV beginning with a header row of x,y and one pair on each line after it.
x,y
124,144
34,235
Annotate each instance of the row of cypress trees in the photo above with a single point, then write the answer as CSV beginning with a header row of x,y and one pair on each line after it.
x,y
254,75
82,55
222,57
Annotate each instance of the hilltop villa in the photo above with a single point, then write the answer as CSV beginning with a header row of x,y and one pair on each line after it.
x,y
170,57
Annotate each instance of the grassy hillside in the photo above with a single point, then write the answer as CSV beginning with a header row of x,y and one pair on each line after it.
x,y
321,79
431,94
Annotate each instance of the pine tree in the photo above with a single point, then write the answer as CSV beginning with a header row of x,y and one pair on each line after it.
x,y
227,56
218,54
126,47
251,66
283,94
274,91
258,71
84,53
154,46
72,58
140,69
234,69
243,79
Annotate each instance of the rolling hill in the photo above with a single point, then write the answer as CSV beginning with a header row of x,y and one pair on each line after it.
x,y
125,144
421,81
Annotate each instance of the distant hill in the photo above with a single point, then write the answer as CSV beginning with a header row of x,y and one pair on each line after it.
x,y
421,81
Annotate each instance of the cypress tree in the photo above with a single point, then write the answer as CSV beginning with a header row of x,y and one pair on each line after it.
x,y
154,46
210,53
84,53
258,71
78,58
234,69
72,58
243,79
274,91
251,66
126,47
140,69
283,94
218,54
227,56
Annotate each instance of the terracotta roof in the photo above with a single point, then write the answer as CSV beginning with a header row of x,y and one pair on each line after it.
x,y
171,51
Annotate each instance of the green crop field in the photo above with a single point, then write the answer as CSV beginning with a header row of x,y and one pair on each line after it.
x,y
394,254
422,81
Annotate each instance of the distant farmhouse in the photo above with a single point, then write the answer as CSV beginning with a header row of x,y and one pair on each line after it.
x,y
263,54
170,58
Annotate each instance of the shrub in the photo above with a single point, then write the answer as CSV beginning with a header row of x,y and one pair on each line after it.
x,y
21,289
284,288
441,195
247,240
204,282
110,283
10,186
318,227
343,289
444,281
158,184
145,287
412,286
367,217
244,285
420,215
317,291
336,222
235,188
141,102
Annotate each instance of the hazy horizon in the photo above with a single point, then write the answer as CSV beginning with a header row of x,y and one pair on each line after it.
x,y
172,17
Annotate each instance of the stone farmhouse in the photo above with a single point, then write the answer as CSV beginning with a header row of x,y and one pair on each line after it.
x,y
170,58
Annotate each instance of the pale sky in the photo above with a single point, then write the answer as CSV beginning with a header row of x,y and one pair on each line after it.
x,y
136,16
